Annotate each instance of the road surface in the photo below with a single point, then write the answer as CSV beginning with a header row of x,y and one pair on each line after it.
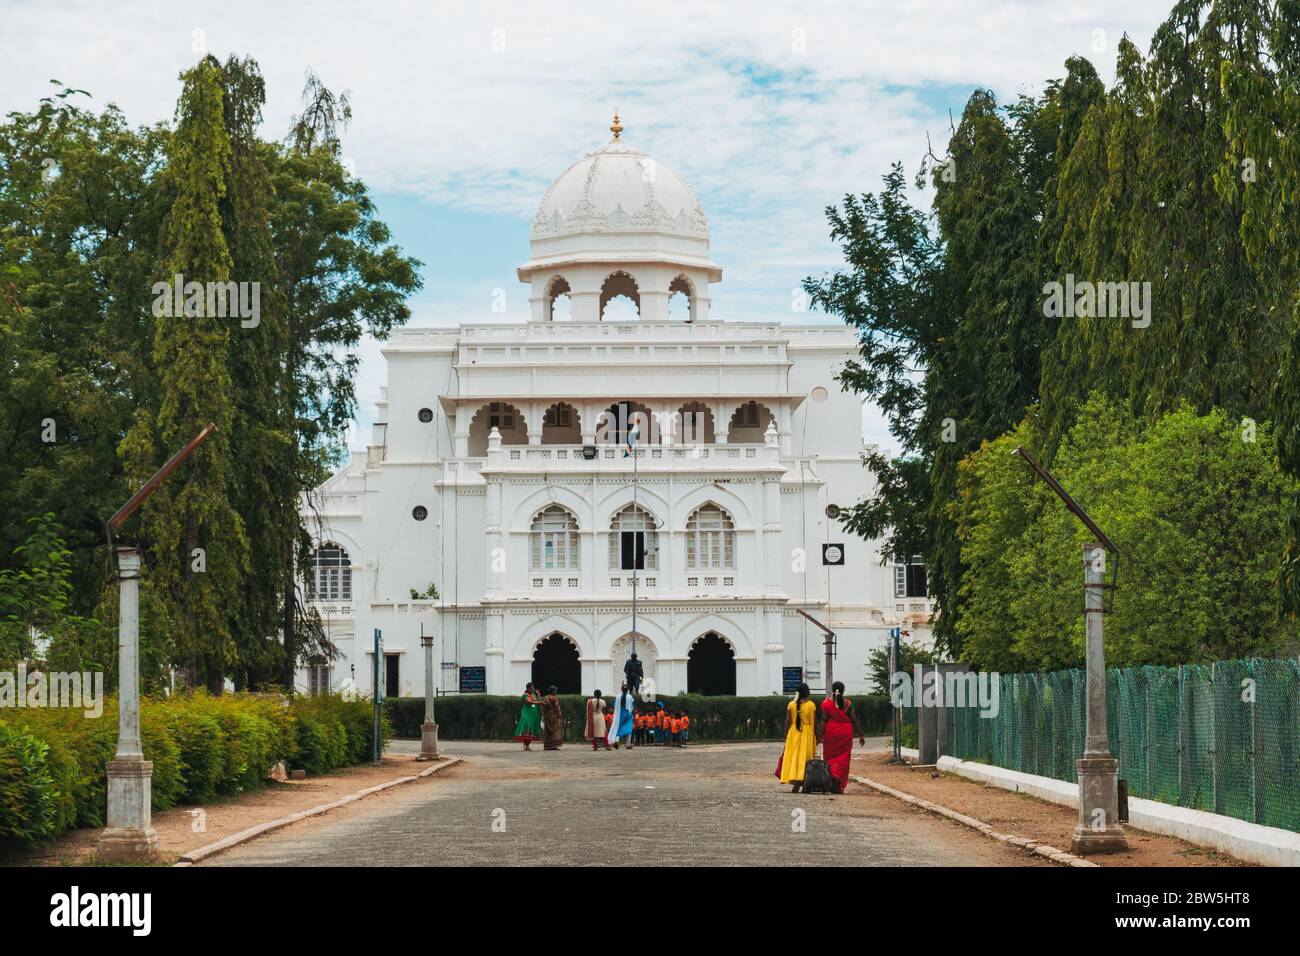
x,y
700,805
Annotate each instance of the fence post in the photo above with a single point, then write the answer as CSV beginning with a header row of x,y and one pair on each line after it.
x,y
1214,737
1148,723
1182,743
1256,746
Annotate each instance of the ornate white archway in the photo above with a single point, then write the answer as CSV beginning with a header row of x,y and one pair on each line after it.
x,y
646,653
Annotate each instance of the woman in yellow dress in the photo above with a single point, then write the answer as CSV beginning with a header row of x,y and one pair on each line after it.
x,y
800,737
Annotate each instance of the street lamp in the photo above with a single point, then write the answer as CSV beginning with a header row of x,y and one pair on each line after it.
x,y
129,834
1098,830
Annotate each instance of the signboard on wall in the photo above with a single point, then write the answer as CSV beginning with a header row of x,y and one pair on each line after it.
x,y
473,680
833,554
791,678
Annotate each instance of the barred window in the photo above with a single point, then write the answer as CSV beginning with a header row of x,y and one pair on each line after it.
x,y
318,675
330,576
747,415
628,522
909,578
555,541
710,539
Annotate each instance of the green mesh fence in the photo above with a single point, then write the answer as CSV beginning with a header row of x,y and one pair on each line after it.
x,y
1222,737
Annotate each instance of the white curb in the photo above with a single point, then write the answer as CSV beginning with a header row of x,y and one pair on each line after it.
x,y
1010,839
1251,842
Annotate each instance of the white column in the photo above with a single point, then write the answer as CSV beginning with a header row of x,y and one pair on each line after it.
x,y
586,306
129,834
495,671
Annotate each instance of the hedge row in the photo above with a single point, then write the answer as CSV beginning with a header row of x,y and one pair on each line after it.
x,y
53,761
490,717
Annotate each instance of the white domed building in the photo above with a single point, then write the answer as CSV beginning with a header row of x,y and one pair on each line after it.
x,y
499,472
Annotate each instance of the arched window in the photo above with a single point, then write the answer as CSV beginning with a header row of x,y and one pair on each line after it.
x,y
559,303
330,577
555,540
619,297
681,300
710,539
628,522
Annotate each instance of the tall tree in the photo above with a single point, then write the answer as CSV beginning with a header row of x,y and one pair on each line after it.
x,y
195,538
1260,169
341,278
263,490
949,322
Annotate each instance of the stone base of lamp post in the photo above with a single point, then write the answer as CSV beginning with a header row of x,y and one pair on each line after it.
x,y
130,834
428,741
1099,829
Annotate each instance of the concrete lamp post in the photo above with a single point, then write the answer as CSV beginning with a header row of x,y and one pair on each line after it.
x,y
1099,829
130,834
428,729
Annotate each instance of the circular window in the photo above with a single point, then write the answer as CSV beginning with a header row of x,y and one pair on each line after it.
x,y
426,415
832,511
419,512
819,394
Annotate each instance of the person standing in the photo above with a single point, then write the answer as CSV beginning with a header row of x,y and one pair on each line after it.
x,y
529,727
553,716
596,728
800,738
620,728
839,726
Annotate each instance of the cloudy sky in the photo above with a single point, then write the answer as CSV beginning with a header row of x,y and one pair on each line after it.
x,y
465,112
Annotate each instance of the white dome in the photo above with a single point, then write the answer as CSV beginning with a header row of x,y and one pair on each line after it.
x,y
618,188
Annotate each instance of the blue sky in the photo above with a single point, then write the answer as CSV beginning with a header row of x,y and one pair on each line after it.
x,y
464,113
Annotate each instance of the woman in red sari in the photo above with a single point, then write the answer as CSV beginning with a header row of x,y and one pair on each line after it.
x,y
839,726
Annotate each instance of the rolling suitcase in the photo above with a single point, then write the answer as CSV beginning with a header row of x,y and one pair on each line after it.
x,y
817,777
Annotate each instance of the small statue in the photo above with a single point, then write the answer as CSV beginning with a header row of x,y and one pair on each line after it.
x,y
634,673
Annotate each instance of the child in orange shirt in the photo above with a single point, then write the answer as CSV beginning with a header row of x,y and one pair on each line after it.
x,y
686,727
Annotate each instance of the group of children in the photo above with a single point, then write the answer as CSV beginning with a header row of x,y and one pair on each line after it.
x,y
656,725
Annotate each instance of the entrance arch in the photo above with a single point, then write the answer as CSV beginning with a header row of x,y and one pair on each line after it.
x,y
555,662
711,666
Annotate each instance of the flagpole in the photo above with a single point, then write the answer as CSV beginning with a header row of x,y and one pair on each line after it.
x,y
636,554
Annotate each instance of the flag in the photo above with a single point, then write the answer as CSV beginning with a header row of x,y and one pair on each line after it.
x,y
633,434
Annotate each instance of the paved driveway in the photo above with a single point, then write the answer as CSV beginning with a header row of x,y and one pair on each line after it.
x,y
699,805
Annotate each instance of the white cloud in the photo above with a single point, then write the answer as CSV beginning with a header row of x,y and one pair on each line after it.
x,y
767,131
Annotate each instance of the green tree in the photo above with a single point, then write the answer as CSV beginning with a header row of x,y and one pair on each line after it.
x,y
197,549
1195,510
949,322
263,490
341,278
878,663
80,214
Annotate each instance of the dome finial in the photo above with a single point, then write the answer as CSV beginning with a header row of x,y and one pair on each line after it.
x,y
617,128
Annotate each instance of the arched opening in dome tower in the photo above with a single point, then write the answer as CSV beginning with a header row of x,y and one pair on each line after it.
x,y
681,300
620,299
559,306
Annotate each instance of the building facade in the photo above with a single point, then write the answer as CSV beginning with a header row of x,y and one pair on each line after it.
x,y
504,505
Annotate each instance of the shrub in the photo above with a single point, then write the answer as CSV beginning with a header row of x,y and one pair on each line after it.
x,y
491,717
333,732
29,809
53,762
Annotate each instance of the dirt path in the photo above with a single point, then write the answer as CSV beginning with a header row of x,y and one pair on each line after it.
x,y
1027,816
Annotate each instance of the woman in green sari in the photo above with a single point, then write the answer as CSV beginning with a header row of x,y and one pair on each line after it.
x,y
529,727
